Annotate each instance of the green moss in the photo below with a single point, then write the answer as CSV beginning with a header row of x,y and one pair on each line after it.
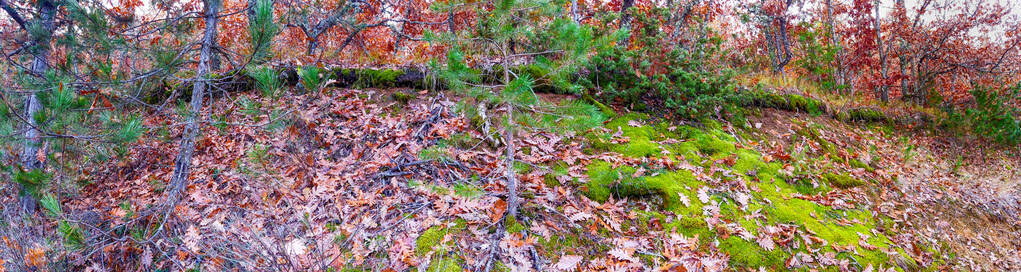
x,y
605,181
748,162
749,254
805,104
641,138
512,225
560,242
366,78
446,264
639,147
865,115
714,146
788,102
859,164
713,142
812,132
769,100
522,168
402,97
603,108
601,178
429,239
770,192
623,121
842,180
560,169
693,225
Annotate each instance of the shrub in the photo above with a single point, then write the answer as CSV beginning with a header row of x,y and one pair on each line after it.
x,y
993,117
654,74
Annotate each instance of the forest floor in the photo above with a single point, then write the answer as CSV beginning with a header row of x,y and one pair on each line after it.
x,y
362,180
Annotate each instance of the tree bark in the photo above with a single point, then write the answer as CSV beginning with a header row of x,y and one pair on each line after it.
x,y
30,158
902,57
625,20
182,165
508,139
834,41
786,50
884,91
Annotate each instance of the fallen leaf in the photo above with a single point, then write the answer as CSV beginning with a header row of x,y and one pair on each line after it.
x,y
568,263
191,238
703,194
684,199
497,211
765,241
624,254
296,247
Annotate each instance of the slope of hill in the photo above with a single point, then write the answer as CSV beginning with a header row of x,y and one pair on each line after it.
x,y
383,179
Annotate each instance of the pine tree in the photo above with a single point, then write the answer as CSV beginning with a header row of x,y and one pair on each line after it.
x,y
63,110
182,165
533,43
262,29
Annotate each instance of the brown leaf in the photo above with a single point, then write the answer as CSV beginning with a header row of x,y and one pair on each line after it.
x,y
41,154
497,211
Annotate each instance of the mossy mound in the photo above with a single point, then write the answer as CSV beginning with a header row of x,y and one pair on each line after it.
x,y
842,180
856,163
606,181
641,139
788,102
863,115
690,197
402,97
379,78
159,92
430,241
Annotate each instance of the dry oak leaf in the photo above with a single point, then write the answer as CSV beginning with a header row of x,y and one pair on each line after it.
x,y
568,263
624,254
765,241
191,238
498,210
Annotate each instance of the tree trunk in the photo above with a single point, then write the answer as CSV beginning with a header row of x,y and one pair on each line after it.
x,y
770,46
30,158
884,91
508,139
834,41
182,164
574,10
786,50
625,20
904,53
902,58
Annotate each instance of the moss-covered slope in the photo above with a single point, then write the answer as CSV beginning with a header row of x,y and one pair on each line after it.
x,y
732,197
